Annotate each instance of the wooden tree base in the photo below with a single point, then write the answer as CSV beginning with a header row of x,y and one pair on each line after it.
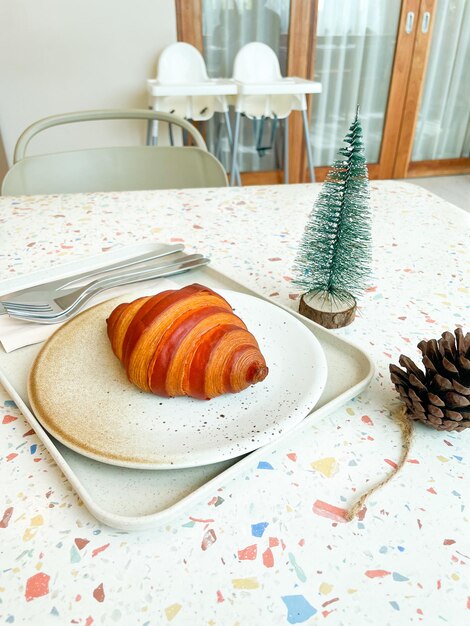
x,y
321,308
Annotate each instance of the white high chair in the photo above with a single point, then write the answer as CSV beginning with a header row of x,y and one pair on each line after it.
x,y
183,88
264,93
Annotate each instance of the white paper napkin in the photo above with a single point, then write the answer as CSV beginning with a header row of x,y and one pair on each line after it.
x,y
16,334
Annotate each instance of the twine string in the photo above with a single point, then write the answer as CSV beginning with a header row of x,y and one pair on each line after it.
x,y
406,428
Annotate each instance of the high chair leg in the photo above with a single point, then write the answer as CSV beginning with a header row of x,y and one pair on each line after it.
x,y
228,127
308,146
233,169
286,149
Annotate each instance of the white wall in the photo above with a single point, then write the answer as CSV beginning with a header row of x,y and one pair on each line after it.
x,y
63,55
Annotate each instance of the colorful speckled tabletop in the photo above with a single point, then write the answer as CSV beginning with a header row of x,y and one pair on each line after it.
x,y
272,546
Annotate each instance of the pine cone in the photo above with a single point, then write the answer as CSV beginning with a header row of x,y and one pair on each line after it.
x,y
439,397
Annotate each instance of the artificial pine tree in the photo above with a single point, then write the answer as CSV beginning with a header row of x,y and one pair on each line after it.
x,y
333,262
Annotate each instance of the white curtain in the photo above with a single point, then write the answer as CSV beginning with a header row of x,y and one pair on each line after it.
x,y
227,25
353,61
443,129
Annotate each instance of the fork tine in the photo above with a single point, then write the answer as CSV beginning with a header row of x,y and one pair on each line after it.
x,y
26,307
28,315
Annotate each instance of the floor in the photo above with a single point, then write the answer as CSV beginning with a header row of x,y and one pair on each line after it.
x,y
455,189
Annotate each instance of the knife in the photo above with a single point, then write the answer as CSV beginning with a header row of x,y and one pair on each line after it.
x,y
91,275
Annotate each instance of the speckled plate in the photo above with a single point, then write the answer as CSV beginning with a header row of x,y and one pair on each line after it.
x,y
80,393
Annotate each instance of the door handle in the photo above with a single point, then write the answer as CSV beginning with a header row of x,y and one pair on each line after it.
x,y
410,18
425,22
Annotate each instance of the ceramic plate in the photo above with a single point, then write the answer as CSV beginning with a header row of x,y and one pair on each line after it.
x,y
80,393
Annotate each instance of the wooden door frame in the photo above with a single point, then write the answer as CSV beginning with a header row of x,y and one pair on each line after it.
x,y
301,40
438,167
397,95
189,22
404,167
300,62
414,89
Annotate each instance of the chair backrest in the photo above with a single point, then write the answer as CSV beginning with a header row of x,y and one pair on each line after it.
x,y
125,168
256,63
181,63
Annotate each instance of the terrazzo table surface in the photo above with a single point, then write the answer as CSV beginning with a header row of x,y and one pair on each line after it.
x,y
260,551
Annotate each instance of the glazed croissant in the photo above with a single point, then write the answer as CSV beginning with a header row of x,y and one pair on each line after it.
x,y
185,342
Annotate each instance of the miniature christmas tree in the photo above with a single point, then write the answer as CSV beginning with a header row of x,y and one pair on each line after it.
x,y
333,263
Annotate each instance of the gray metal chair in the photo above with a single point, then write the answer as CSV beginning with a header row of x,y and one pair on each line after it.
x,y
112,169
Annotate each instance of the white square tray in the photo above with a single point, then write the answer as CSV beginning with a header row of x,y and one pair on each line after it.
x,y
155,496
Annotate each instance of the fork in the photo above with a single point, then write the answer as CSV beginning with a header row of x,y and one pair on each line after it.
x,y
66,306
30,297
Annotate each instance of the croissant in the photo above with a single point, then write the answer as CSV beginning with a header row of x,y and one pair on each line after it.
x,y
185,342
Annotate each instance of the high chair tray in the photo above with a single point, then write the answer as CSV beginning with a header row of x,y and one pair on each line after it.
x,y
290,85
211,87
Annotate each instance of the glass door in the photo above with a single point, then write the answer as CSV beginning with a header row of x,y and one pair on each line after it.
x,y
415,114
227,25
405,62
363,55
442,137
219,28
354,53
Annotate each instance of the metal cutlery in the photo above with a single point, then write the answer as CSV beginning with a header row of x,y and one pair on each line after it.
x,y
31,296
71,302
